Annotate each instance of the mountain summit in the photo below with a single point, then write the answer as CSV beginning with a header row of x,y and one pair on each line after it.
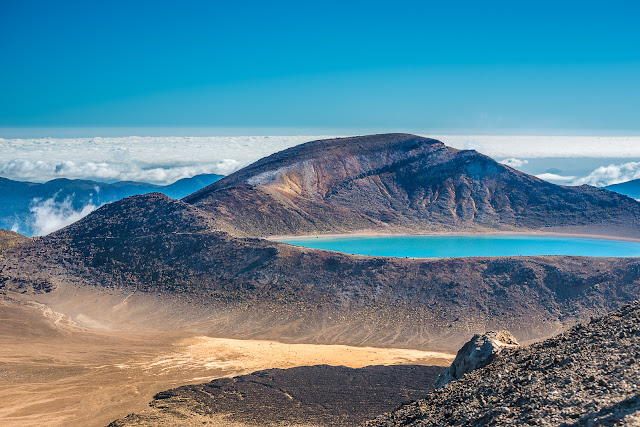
x,y
402,183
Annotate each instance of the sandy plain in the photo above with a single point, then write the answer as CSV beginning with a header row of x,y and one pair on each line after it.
x,y
56,372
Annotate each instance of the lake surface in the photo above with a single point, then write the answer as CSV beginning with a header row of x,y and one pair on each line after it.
x,y
470,246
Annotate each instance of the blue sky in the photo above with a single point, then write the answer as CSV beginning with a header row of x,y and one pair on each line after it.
x,y
422,66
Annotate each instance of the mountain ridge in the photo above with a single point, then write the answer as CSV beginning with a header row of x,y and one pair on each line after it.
x,y
628,188
154,245
399,183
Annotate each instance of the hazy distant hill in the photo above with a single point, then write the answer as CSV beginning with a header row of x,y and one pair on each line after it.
x,y
402,183
17,197
629,188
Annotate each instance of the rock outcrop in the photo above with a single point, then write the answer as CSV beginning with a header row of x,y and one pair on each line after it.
x,y
481,350
586,376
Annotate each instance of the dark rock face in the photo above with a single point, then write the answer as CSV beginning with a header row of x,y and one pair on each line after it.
x,y
309,395
400,182
477,353
585,376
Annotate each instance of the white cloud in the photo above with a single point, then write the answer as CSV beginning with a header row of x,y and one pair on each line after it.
x,y
50,215
161,160
557,178
40,171
612,174
533,147
514,163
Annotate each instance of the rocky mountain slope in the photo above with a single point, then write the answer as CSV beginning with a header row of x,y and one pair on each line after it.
x,y
18,197
319,395
585,376
244,287
401,182
9,238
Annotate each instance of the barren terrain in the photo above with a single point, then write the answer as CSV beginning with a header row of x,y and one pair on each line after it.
x,y
145,294
56,372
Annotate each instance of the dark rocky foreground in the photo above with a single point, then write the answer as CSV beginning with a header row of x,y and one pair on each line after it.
x,y
589,375
310,395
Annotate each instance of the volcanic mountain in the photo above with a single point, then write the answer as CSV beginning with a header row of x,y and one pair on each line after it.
x,y
191,254
149,262
402,183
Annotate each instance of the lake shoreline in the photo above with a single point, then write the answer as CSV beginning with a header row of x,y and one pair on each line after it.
x,y
457,234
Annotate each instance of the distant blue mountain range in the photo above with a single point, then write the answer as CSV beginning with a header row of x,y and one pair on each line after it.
x,y
629,188
18,199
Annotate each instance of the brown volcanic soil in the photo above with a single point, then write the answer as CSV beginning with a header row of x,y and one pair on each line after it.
x,y
55,372
402,183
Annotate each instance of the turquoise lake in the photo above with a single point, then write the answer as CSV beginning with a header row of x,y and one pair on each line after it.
x,y
470,246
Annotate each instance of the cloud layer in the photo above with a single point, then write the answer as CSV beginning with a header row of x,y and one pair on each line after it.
x,y
612,174
160,160
514,163
163,160
502,146
50,215
40,171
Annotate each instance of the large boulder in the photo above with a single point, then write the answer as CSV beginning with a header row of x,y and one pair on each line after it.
x,y
477,353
